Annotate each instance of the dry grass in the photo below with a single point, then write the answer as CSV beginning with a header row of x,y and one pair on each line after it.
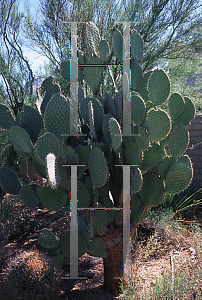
x,y
169,264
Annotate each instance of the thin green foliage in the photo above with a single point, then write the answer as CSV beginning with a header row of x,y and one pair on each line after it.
x,y
185,203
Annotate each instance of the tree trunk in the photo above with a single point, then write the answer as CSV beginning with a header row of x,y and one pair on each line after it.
x,y
113,261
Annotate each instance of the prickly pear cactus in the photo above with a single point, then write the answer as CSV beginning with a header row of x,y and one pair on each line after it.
x,y
156,172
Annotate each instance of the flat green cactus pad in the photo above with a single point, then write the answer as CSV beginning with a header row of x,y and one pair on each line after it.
x,y
116,134
99,218
158,86
52,199
176,105
98,112
143,91
48,239
136,209
187,114
65,245
57,116
137,109
109,105
47,143
93,37
47,90
152,192
136,45
178,140
136,180
28,196
93,74
97,247
132,155
97,167
117,42
179,176
6,117
9,181
158,124
21,141
151,159
136,75
165,165
103,49
65,70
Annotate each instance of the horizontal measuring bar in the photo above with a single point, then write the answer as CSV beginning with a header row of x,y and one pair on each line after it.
x,y
133,134
127,165
63,134
73,165
86,165
88,22
80,65
91,208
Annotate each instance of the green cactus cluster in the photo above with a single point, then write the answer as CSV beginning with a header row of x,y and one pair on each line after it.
x,y
37,135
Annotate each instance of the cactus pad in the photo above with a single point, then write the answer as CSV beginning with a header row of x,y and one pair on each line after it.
x,y
57,116
109,106
136,209
116,134
119,107
47,90
178,140
21,141
47,143
93,37
6,117
136,45
132,155
187,114
98,112
164,166
65,70
52,199
48,239
107,203
136,75
103,49
97,167
82,229
93,74
158,86
65,245
151,159
99,218
143,91
28,196
97,247
176,105
158,124
136,180
152,192
9,181
179,176
117,42
137,109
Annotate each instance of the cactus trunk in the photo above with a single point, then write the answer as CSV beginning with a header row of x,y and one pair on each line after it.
x,y
114,259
